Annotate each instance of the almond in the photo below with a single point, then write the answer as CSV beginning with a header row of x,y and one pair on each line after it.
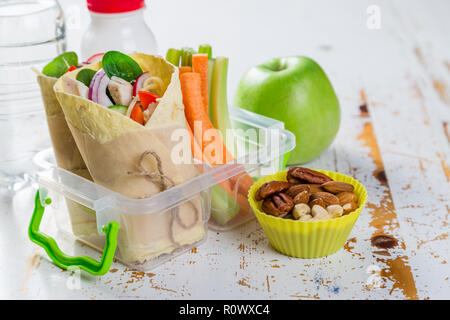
x,y
315,188
337,187
294,190
328,198
346,197
318,202
302,197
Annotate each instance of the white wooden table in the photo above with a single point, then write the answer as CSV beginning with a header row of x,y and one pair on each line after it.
x,y
399,149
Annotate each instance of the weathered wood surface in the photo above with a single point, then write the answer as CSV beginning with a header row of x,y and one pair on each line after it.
x,y
393,85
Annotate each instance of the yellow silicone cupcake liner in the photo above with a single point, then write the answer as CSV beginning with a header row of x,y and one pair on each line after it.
x,y
307,239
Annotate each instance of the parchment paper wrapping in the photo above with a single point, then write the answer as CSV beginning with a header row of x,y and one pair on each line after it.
x,y
67,155
136,162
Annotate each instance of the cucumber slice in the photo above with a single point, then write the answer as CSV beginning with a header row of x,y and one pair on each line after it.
x,y
119,108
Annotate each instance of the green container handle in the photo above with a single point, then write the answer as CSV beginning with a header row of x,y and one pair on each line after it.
x,y
65,261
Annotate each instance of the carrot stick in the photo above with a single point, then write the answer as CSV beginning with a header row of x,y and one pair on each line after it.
x,y
199,121
196,116
243,182
200,65
228,185
184,69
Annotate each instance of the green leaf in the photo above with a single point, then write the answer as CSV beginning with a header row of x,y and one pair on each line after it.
x,y
117,64
58,66
85,76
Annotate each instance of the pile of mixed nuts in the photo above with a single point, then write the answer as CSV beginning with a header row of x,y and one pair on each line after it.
x,y
307,195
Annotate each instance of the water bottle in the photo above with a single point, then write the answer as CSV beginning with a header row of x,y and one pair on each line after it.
x,y
32,33
117,25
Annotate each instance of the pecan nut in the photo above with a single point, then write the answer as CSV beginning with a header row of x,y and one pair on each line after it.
x,y
270,188
293,180
337,187
278,205
307,175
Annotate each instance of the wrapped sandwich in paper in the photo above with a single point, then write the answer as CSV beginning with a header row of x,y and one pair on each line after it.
x,y
122,125
66,151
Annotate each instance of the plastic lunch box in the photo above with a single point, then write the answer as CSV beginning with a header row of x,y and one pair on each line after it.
x,y
135,226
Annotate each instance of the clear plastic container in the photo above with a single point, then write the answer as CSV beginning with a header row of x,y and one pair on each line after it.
x,y
83,208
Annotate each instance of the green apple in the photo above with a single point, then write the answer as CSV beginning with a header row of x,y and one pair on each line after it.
x,y
297,91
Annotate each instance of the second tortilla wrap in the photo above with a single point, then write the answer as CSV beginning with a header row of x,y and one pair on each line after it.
x,y
135,161
66,154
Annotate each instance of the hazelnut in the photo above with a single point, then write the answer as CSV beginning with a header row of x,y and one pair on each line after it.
x,y
306,217
335,210
301,210
349,207
319,213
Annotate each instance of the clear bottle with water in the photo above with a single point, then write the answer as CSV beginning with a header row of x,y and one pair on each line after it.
x,y
32,33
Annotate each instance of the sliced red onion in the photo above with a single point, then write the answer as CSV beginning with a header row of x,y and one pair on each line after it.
x,y
95,82
140,82
97,89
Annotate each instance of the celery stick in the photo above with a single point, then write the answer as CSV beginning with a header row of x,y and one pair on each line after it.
x,y
219,101
223,206
205,48
210,76
173,56
186,56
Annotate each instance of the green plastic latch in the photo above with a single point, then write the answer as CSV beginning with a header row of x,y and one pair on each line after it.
x,y
65,261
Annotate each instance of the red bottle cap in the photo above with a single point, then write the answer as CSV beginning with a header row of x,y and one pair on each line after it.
x,y
114,6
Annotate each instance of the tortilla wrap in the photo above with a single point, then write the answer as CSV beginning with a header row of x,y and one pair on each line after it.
x,y
135,161
66,154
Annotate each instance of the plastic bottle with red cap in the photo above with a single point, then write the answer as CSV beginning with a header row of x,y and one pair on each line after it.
x,y
117,25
